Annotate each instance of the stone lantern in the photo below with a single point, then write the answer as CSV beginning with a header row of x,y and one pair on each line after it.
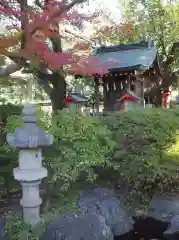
x,y
30,139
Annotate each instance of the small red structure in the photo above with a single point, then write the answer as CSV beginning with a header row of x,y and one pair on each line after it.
x,y
128,101
74,102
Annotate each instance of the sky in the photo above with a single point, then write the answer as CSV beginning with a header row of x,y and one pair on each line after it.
x,y
110,5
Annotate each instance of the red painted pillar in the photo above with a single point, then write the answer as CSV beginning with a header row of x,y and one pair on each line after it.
x,y
166,98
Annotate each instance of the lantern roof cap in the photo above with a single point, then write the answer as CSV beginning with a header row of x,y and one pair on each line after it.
x,y
29,135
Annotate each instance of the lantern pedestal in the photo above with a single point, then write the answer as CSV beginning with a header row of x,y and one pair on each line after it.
x,y
30,139
31,201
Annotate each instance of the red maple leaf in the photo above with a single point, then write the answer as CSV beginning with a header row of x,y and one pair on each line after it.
x,y
43,25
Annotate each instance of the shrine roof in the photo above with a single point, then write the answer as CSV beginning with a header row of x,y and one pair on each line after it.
x,y
77,97
137,56
130,94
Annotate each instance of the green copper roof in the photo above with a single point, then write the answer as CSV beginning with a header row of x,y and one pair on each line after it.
x,y
126,57
78,98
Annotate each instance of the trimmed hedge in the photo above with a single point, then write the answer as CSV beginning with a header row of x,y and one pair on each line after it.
x,y
147,151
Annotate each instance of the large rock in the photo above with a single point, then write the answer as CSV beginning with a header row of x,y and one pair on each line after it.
x,y
3,235
149,228
163,207
172,232
78,226
104,202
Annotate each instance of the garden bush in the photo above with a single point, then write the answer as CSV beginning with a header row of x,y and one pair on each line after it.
x,y
8,156
81,143
147,149
140,148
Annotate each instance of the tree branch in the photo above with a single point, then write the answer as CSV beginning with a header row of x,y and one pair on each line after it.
x,y
10,69
56,14
72,4
78,36
43,80
18,61
6,6
170,56
162,42
45,85
24,21
38,3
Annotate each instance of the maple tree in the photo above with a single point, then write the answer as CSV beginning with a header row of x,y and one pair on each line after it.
x,y
26,44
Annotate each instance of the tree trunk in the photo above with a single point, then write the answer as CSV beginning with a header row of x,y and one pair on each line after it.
x,y
58,92
158,98
96,91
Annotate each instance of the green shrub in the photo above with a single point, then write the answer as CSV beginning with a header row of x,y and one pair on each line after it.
x,y
7,111
80,144
147,150
8,156
146,154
